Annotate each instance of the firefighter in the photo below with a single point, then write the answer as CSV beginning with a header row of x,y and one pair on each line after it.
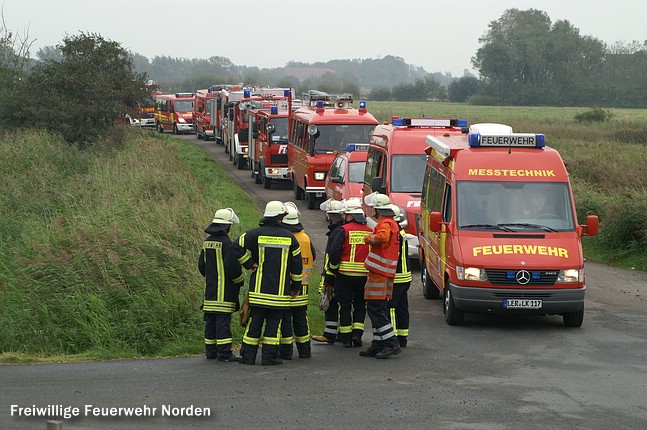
x,y
381,262
274,256
294,325
223,279
399,303
334,211
346,261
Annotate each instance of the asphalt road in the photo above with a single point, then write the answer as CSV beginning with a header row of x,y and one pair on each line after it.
x,y
491,373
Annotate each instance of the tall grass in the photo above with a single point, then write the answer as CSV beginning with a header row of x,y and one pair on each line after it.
x,y
99,248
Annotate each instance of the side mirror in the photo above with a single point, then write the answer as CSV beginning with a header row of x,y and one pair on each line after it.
x,y
435,224
376,185
271,128
591,226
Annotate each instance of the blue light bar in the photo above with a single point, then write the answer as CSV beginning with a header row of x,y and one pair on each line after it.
x,y
362,104
274,110
518,140
247,93
351,147
286,93
320,104
461,123
399,121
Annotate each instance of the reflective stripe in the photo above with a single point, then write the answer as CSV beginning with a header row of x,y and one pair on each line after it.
x,y
358,326
210,341
218,306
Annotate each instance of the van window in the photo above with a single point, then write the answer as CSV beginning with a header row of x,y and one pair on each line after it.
x,y
373,165
518,205
407,173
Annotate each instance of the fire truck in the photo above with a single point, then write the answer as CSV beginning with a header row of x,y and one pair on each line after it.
x,y
235,124
319,130
145,113
268,142
396,164
498,229
201,114
217,108
174,112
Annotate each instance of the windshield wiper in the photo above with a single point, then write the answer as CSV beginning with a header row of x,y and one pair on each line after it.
x,y
528,225
491,226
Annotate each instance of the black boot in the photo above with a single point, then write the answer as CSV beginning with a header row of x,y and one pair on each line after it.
x,y
286,351
356,337
248,354
269,355
304,350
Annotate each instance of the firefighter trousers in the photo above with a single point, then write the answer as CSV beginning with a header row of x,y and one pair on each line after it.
x,y
399,311
294,327
383,334
349,290
332,320
260,317
217,334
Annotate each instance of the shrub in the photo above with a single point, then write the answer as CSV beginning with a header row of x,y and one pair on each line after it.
x,y
594,115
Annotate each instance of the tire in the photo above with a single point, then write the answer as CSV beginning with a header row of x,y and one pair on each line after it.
x,y
175,131
242,163
311,199
298,192
160,128
453,315
197,133
234,159
574,319
429,289
267,182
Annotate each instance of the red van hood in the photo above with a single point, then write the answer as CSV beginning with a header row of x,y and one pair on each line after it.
x,y
545,251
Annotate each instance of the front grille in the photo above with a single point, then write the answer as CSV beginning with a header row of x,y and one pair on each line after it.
x,y
538,278
279,159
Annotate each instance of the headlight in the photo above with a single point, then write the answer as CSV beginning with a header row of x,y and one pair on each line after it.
x,y
244,149
182,120
470,274
319,176
570,275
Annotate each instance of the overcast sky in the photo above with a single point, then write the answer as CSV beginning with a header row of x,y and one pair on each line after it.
x,y
438,36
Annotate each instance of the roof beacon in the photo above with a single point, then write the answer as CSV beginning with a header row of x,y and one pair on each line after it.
x,y
429,122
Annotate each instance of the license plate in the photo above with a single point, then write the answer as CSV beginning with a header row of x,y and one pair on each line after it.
x,y
521,304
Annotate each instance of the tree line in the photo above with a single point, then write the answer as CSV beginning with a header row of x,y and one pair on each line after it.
x,y
85,84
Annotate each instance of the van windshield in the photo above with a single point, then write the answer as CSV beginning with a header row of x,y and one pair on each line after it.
x,y
281,132
514,206
407,173
183,106
337,137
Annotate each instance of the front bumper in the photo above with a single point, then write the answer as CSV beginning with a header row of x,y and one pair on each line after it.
x,y
490,300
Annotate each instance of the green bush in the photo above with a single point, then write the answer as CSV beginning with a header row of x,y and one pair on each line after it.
x,y
594,115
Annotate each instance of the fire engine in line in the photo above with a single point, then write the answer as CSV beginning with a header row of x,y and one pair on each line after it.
x,y
145,115
268,142
174,112
235,125
396,165
319,130
217,111
498,227
346,175
201,114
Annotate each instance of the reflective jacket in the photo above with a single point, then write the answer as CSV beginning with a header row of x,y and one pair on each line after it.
x,y
308,255
403,272
222,271
382,258
348,250
277,254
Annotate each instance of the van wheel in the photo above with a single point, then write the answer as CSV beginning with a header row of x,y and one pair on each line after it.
x,y
160,128
311,199
175,130
429,289
242,163
453,315
574,319
298,192
267,182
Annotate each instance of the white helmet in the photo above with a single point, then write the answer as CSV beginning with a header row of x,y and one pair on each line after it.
x,y
353,206
292,216
377,200
225,216
332,206
274,208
